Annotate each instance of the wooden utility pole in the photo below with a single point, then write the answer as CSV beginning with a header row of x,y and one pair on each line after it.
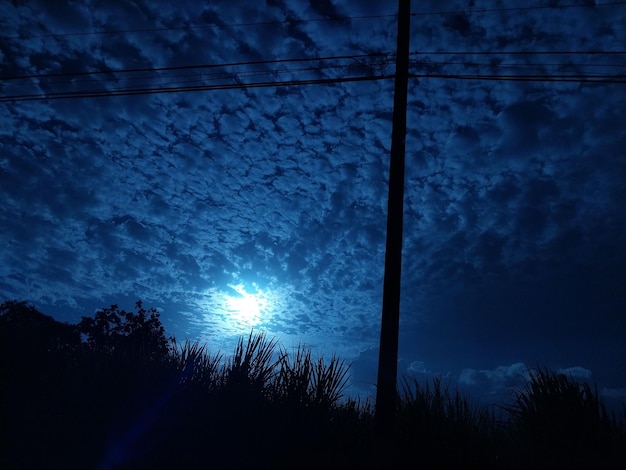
x,y
388,356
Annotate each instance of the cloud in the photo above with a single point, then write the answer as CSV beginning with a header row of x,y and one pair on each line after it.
x,y
500,383
363,372
495,384
614,393
513,190
577,373
499,374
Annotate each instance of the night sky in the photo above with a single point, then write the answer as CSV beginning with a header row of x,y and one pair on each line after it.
x,y
238,207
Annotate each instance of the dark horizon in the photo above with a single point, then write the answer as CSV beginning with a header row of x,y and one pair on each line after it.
x,y
127,397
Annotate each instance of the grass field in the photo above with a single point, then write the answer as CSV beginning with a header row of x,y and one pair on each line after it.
x,y
121,396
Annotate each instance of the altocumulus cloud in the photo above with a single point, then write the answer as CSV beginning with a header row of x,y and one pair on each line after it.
x,y
514,190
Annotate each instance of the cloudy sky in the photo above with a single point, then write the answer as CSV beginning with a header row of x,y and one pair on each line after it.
x,y
255,196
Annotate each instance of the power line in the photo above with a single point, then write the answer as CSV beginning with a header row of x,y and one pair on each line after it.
x,y
304,59
435,69
308,20
619,79
201,26
588,69
192,67
174,81
592,52
528,8
193,77
596,79
152,74
431,66
519,65
159,90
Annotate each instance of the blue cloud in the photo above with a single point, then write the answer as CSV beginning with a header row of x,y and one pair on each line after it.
x,y
513,190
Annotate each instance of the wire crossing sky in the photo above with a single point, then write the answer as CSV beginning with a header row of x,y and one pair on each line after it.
x,y
228,164
338,18
346,65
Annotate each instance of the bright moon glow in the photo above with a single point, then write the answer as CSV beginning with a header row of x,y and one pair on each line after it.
x,y
246,309
237,308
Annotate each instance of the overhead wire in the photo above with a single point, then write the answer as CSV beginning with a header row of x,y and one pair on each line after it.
x,y
200,26
302,59
159,90
176,88
563,78
169,82
155,79
313,20
525,8
517,53
579,68
598,79
518,66
194,77
191,67
227,71
382,55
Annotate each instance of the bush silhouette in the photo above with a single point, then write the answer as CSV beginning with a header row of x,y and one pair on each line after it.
x,y
112,330
125,398
561,423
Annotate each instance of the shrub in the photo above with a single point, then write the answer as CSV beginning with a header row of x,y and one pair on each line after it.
x,y
560,422
194,365
314,383
444,425
112,331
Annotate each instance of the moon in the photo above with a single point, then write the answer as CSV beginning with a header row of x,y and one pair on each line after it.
x,y
244,308
238,307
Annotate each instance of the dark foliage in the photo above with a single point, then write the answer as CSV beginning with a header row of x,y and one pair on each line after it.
x,y
112,330
112,393
562,423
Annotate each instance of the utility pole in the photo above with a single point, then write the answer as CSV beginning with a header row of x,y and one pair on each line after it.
x,y
388,356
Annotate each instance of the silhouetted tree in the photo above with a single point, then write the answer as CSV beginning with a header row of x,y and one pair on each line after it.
x,y
23,328
123,399
36,360
112,330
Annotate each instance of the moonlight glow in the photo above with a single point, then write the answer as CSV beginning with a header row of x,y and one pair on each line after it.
x,y
244,308
238,308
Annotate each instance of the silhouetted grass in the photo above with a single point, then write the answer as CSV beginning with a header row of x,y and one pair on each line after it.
x,y
445,425
68,403
194,364
561,423
301,380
